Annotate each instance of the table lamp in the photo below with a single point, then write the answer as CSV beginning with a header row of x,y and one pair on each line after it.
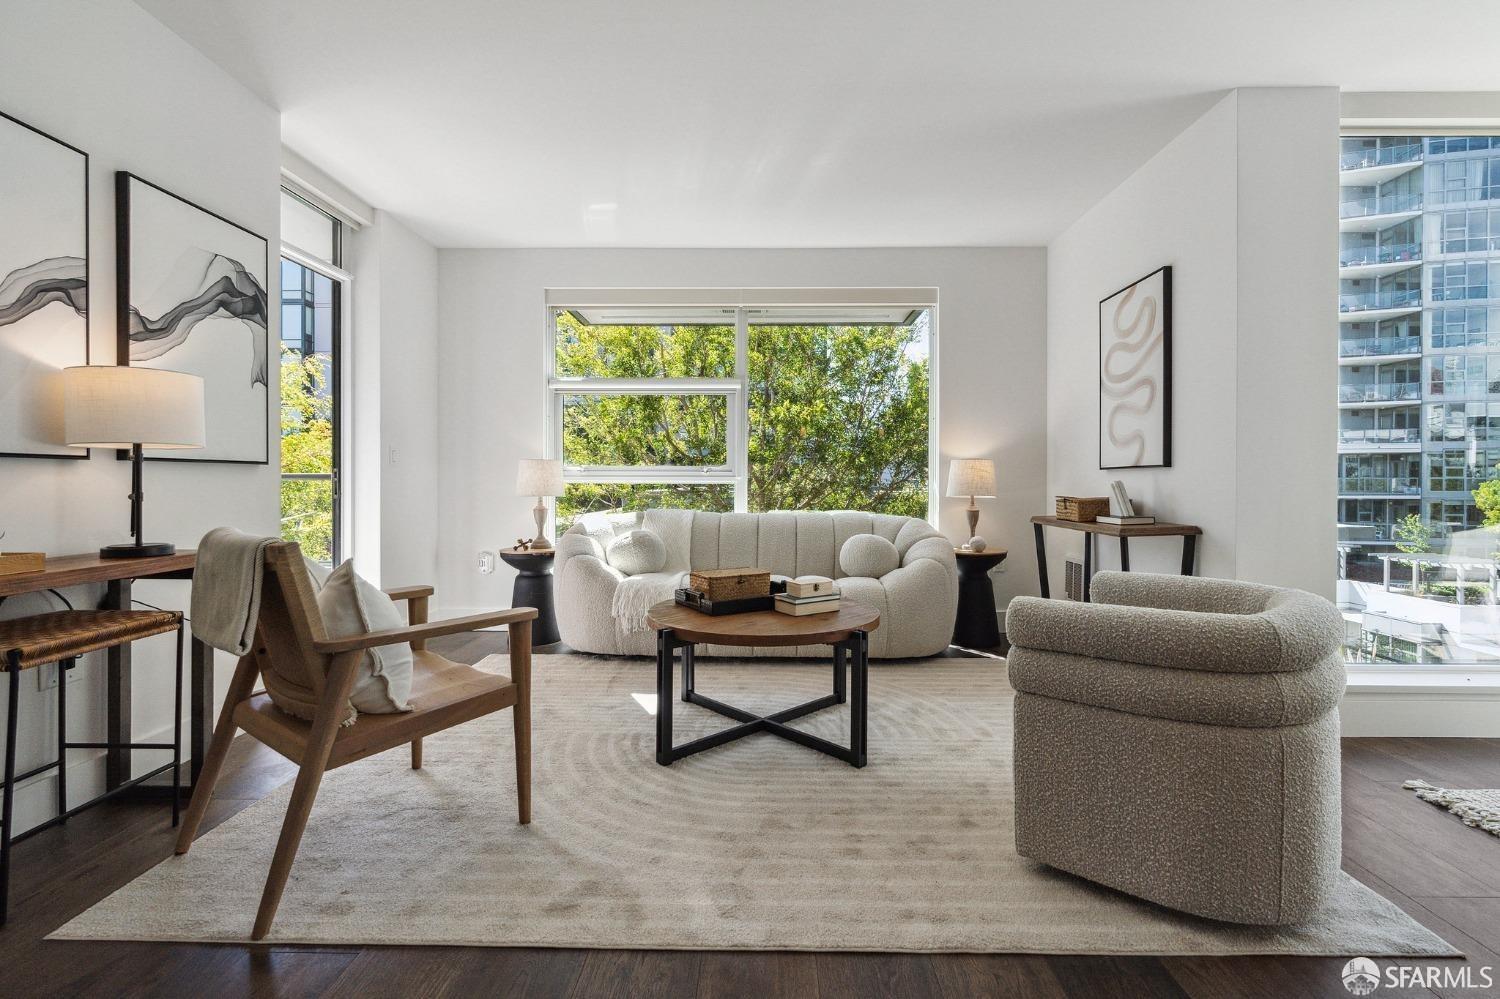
x,y
974,478
134,408
539,477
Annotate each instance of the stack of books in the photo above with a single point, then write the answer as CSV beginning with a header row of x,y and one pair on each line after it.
x,y
808,595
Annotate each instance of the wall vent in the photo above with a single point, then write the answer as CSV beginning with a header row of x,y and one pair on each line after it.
x,y
1073,577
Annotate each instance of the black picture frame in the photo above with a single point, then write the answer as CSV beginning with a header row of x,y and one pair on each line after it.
x,y
81,454
123,305
1166,369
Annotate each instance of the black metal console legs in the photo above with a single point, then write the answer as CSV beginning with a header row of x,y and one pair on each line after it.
x,y
855,651
7,793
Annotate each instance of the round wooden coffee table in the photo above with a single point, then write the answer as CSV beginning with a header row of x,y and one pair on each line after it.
x,y
847,630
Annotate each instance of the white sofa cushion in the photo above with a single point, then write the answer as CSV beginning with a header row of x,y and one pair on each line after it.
x,y
352,606
637,552
868,555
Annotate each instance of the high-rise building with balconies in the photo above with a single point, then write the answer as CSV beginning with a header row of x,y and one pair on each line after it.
x,y
1419,362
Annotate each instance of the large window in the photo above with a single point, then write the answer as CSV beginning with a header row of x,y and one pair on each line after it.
x,y
741,408
1419,401
311,326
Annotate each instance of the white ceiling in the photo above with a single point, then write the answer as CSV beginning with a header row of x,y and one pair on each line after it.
x,y
705,123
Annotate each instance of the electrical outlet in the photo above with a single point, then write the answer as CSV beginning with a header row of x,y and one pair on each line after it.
x,y
76,673
46,676
486,563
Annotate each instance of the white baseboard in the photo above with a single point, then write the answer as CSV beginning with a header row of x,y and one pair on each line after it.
x,y
1413,706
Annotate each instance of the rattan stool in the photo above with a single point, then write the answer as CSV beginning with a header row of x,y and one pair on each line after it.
x,y
62,637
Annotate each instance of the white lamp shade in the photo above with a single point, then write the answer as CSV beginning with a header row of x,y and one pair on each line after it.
x,y
539,477
971,477
119,406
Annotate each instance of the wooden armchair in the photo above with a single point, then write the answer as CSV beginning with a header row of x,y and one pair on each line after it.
x,y
291,646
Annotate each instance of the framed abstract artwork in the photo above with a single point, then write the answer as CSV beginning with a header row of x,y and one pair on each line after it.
x,y
44,286
192,296
1135,374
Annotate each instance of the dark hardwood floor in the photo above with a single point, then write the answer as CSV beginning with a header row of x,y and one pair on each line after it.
x,y
1443,873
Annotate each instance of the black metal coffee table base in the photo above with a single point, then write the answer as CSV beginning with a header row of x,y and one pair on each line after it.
x,y
852,652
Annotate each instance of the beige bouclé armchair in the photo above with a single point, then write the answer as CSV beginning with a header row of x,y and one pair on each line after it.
x,y
1178,739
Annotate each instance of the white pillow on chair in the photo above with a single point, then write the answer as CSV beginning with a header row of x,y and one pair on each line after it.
x,y
351,606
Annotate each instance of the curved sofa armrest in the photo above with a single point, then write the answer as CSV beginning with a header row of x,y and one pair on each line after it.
x,y
1231,643
936,549
1187,593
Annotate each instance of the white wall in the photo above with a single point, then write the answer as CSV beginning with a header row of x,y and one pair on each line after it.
x,y
1241,206
108,78
492,334
408,326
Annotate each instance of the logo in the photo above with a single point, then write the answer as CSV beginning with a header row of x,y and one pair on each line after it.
x,y
1361,976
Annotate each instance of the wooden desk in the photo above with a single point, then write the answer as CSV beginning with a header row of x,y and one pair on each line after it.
x,y
1124,532
117,574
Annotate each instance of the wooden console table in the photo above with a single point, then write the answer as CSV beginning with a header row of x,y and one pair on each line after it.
x,y
117,574
1124,532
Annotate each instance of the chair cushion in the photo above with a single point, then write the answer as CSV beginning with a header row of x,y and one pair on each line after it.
x,y
637,552
352,606
868,555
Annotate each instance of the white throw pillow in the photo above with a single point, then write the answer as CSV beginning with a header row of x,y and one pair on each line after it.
x,y
317,572
868,555
637,552
352,606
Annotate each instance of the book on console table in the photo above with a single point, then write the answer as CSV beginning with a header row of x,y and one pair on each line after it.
x,y
1126,521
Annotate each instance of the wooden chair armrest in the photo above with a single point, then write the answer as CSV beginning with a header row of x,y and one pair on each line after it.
x,y
422,632
409,592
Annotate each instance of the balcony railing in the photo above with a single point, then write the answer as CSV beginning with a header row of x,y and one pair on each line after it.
x,y
1381,435
1379,205
1372,346
1384,392
1360,159
1395,253
1364,301
1401,485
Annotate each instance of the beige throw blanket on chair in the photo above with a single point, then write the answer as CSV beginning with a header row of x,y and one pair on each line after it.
x,y
226,589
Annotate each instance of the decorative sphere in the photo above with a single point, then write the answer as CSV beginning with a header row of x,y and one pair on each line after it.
x,y
978,544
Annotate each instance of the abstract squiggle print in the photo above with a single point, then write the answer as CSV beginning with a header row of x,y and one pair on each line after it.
x,y
1123,373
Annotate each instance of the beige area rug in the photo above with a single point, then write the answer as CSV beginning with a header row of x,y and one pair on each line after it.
x,y
761,844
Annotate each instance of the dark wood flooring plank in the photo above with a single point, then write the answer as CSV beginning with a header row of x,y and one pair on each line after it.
x,y
1029,975
1377,846
629,974
1114,977
1268,978
768,974
1426,829
858,976
415,972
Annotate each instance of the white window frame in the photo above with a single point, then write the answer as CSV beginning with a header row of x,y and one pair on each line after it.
x,y
344,460
744,302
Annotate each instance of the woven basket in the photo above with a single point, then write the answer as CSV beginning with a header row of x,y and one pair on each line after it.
x,y
1082,509
731,584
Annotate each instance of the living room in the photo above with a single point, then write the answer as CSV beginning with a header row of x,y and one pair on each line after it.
x,y
639,364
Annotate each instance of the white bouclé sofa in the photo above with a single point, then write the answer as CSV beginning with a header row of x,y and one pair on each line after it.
x,y
917,600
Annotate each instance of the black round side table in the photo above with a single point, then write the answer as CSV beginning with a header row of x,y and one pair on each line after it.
x,y
534,589
976,627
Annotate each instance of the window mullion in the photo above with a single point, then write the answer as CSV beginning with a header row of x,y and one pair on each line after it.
x,y
739,420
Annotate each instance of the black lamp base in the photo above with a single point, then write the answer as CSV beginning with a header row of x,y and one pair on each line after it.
x,y
151,550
